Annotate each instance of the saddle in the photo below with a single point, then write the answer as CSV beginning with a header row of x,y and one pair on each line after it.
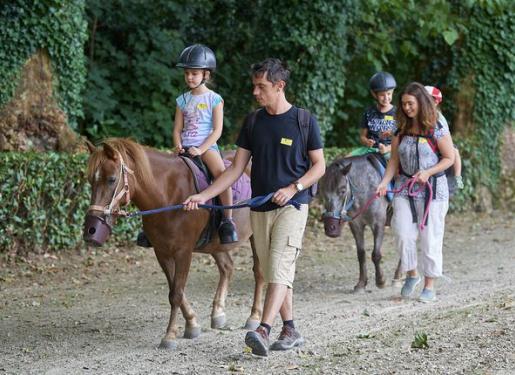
x,y
202,178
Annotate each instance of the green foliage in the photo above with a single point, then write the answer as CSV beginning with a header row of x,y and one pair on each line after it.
x,y
420,341
486,63
398,37
44,201
132,82
58,26
132,85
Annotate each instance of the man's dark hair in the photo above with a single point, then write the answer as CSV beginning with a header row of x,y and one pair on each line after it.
x,y
274,68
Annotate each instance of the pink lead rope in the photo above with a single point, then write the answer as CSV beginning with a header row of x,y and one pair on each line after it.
x,y
412,193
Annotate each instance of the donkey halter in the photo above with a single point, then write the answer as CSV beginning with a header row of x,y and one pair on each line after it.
x,y
342,216
111,209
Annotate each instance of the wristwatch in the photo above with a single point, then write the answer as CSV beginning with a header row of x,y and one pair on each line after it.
x,y
298,186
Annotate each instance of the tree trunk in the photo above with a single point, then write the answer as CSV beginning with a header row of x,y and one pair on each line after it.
x,y
32,120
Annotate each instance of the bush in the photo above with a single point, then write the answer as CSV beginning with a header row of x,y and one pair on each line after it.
x,y
44,199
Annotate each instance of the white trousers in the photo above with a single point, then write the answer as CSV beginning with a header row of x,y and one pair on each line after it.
x,y
431,238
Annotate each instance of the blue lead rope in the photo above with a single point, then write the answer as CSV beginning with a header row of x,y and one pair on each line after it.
x,y
252,203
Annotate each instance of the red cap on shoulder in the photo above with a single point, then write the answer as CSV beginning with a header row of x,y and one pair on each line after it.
x,y
435,93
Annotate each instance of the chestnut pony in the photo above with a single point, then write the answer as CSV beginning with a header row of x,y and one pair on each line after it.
x,y
122,171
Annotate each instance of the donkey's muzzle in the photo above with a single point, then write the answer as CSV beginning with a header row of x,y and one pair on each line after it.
x,y
96,230
332,226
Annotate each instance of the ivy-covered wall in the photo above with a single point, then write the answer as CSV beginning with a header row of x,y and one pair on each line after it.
x,y
483,83
57,26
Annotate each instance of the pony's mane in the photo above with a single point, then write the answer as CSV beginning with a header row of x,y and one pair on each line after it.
x,y
132,153
333,174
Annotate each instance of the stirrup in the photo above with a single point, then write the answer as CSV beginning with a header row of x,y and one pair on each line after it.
x,y
227,231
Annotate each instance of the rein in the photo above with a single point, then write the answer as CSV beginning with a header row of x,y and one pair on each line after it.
x,y
252,203
125,192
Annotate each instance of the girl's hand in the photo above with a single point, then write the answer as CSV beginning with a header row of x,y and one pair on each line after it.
x,y
179,149
369,142
194,151
192,202
381,189
282,196
422,176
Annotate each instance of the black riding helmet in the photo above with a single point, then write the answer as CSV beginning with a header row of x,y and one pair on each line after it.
x,y
382,81
197,56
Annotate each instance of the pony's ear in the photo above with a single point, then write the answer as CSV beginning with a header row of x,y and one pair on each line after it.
x,y
109,151
91,146
345,168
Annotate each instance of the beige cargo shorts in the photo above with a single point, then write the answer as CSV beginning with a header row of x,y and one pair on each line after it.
x,y
278,240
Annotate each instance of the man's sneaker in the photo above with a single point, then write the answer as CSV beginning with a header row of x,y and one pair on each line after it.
x,y
427,295
258,341
409,286
227,231
289,338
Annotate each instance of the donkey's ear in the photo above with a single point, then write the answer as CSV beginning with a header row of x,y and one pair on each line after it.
x,y
109,151
91,146
345,168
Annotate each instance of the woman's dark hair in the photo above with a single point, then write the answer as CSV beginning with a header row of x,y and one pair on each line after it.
x,y
427,114
275,70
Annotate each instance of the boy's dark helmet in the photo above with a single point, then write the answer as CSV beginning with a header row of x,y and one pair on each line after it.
x,y
197,56
382,81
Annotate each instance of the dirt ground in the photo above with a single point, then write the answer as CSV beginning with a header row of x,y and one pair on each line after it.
x,y
105,312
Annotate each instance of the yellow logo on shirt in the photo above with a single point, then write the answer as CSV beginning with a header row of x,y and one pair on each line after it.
x,y
202,106
286,141
388,117
422,140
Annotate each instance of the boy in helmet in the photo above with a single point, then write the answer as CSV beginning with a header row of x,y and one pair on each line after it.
x,y
378,121
437,96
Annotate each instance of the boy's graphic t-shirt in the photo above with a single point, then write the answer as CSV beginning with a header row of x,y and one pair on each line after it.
x,y
197,113
377,122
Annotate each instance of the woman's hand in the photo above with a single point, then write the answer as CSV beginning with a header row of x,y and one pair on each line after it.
x,y
194,151
422,176
282,196
381,188
192,202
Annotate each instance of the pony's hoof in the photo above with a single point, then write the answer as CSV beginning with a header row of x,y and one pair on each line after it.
x,y
381,284
191,332
397,283
251,324
168,344
358,289
218,322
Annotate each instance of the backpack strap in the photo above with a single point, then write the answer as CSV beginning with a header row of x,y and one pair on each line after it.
x,y
252,121
303,119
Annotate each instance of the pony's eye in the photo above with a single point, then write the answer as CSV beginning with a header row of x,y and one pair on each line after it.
x,y
111,180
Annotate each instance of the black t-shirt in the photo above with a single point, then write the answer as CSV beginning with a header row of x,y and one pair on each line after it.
x,y
377,122
278,152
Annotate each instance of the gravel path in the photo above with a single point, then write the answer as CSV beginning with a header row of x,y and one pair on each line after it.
x,y
105,312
